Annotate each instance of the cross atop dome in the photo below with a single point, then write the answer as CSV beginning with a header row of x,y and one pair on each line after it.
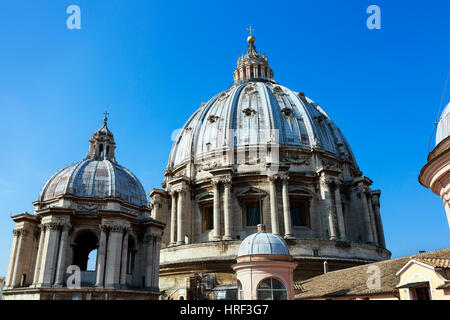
x,y
106,114
251,38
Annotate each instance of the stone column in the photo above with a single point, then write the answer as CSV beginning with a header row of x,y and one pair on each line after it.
x,y
12,259
18,259
173,219
227,212
180,218
37,267
149,266
216,209
156,203
339,212
373,222
61,266
288,234
376,205
124,260
49,256
112,272
365,213
101,255
157,256
273,205
328,206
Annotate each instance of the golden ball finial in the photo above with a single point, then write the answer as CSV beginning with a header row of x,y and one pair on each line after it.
x,y
251,39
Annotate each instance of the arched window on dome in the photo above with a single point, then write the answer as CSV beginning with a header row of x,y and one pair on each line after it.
x,y
271,289
100,151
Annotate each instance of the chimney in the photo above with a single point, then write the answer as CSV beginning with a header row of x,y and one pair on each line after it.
x,y
261,228
325,267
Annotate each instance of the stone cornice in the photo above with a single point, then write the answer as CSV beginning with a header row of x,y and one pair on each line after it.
x,y
86,199
116,214
25,216
55,211
158,192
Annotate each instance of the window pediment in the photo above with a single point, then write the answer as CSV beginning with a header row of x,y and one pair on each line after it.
x,y
251,192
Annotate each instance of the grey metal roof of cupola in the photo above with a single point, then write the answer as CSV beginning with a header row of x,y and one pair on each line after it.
x,y
97,176
263,243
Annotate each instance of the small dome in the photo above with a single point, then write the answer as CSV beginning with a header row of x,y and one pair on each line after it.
x,y
443,128
95,179
263,243
97,176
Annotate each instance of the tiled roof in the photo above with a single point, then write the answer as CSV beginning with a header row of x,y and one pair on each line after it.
x,y
435,262
353,281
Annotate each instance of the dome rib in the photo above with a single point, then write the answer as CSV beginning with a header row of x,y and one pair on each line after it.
x,y
307,123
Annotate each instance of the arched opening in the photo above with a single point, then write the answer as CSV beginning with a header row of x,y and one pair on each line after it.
x,y
85,251
271,289
100,152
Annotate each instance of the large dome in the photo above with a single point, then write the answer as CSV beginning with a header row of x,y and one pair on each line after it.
x,y
95,179
252,110
255,110
97,176
261,153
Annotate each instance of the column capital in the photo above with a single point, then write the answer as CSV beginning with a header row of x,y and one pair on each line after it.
x,y
52,225
272,178
284,178
20,232
227,181
326,182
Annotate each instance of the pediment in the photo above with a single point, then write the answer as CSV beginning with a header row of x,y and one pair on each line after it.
x,y
252,191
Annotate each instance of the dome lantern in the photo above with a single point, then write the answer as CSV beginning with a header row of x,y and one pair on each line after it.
x,y
102,145
253,66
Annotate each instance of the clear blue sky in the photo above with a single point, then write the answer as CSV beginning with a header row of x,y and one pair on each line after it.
x,y
153,63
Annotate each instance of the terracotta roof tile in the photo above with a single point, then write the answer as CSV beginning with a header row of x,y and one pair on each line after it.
x,y
353,281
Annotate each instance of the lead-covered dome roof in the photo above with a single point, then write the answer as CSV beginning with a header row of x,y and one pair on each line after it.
x,y
250,110
263,243
98,176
